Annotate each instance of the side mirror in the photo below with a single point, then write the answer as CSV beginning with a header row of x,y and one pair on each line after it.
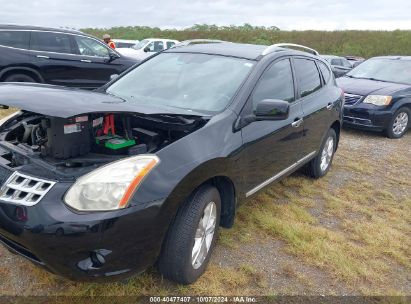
x,y
113,76
146,49
113,56
272,109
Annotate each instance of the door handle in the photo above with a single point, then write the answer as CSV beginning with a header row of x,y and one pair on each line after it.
x,y
42,56
330,106
85,60
297,123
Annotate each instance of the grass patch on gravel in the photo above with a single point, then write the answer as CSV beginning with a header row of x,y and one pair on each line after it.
x,y
371,230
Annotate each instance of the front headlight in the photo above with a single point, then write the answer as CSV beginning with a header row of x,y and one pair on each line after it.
x,y
378,100
111,186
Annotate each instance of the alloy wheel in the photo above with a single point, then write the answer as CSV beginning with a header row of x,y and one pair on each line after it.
x,y
327,154
400,123
204,235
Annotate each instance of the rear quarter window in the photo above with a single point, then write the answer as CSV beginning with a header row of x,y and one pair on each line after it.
x,y
325,71
309,80
16,39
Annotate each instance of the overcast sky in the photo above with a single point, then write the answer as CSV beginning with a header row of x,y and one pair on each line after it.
x,y
286,14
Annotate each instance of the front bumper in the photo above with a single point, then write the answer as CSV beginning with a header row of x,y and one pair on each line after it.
x,y
367,116
66,243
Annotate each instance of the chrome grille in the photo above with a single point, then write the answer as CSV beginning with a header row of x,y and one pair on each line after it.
x,y
24,190
351,99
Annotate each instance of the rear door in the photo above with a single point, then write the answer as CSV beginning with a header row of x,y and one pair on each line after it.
x,y
272,147
53,55
14,47
94,64
316,100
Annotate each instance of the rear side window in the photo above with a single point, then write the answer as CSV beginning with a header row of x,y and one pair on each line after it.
x,y
170,44
51,42
16,39
346,63
336,62
276,83
307,75
325,71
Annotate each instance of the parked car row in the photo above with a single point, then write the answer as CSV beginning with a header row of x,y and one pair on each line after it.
x,y
145,169
147,47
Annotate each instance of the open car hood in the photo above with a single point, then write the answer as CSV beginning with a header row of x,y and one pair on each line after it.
x,y
68,102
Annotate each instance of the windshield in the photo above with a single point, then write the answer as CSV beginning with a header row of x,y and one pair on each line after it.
x,y
195,82
140,44
391,70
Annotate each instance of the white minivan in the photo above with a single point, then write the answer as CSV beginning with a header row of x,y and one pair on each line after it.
x,y
147,47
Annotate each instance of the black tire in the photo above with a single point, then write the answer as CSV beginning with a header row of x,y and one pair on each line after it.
x,y
175,262
19,78
390,129
313,168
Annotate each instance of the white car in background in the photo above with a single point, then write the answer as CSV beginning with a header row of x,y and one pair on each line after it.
x,y
147,47
124,43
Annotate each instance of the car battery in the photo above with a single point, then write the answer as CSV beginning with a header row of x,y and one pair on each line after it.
x,y
66,137
113,144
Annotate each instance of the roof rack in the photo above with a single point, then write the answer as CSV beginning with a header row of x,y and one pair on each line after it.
x,y
273,47
197,41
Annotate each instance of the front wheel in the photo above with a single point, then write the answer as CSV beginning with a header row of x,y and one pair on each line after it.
x,y
399,123
320,165
191,238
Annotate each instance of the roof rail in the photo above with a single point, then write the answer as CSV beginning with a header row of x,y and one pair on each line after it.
x,y
197,41
273,47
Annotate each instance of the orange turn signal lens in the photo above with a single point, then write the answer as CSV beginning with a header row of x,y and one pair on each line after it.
x,y
136,182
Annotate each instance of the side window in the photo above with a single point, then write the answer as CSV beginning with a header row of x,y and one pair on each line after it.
x,y
150,47
158,46
90,47
346,63
276,83
51,42
325,71
307,75
336,62
16,39
170,44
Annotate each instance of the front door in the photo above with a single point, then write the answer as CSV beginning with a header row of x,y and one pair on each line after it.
x,y
272,147
95,65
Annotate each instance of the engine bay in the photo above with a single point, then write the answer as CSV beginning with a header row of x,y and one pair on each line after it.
x,y
72,146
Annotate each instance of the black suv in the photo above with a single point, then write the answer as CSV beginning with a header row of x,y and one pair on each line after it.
x,y
101,185
57,56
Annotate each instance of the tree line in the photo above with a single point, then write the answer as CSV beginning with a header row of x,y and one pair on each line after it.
x,y
351,42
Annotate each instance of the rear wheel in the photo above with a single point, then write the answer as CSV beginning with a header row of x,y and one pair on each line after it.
x,y
320,165
19,78
399,123
191,238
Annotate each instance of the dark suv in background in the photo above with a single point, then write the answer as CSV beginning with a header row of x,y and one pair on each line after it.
x,y
57,56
